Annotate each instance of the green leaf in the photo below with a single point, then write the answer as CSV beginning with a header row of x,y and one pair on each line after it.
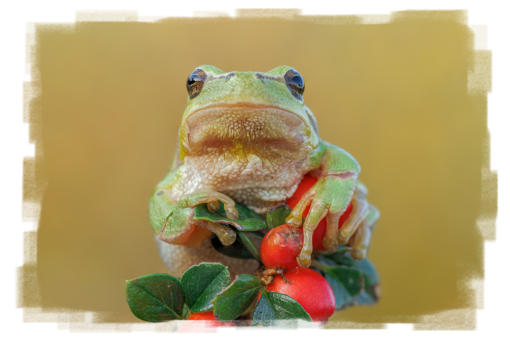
x,y
185,312
326,261
239,248
248,220
236,298
346,282
273,308
201,283
276,216
249,246
236,250
371,291
155,297
370,276
338,255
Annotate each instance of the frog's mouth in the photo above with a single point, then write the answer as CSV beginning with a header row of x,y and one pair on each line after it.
x,y
245,127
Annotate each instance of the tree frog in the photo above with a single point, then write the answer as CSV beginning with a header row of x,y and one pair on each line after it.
x,y
248,137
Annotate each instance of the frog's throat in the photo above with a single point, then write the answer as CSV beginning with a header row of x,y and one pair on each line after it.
x,y
246,127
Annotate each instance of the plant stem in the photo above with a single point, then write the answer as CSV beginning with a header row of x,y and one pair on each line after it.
x,y
319,265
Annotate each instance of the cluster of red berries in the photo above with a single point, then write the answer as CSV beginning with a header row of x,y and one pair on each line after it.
x,y
279,249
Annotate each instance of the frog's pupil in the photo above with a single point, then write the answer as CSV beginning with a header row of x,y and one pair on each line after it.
x,y
193,78
298,80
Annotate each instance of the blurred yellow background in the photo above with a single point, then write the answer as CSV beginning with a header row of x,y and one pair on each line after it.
x,y
394,95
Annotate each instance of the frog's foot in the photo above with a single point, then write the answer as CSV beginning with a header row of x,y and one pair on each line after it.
x,y
359,213
333,235
357,230
329,198
226,235
210,197
180,227
360,240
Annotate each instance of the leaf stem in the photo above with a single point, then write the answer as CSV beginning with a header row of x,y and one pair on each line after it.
x,y
319,265
249,246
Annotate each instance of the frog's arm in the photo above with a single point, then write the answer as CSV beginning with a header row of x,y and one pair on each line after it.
x,y
173,222
329,198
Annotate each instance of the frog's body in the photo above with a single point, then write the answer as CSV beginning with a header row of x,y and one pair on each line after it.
x,y
248,137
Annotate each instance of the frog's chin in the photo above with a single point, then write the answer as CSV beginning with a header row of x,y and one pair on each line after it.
x,y
245,127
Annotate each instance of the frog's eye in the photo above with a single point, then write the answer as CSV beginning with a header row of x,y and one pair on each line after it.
x,y
195,82
295,83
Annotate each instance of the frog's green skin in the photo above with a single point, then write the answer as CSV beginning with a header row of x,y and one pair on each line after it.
x,y
246,137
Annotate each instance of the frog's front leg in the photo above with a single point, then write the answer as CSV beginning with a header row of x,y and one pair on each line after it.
x,y
173,221
329,198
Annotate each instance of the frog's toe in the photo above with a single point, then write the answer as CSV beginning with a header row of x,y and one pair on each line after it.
x,y
360,210
213,206
330,241
231,212
318,210
295,217
226,235
304,260
360,241
212,198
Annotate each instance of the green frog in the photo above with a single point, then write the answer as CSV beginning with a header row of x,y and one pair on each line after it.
x,y
248,137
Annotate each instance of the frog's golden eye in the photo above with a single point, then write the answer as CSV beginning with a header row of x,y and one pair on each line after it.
x,y
195,82
295,83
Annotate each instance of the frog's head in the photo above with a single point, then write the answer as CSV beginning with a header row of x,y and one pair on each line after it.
x,y
247,112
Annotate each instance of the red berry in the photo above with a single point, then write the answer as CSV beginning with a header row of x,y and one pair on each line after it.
x,y
281,246
207,321
309,289
319,233
304,186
